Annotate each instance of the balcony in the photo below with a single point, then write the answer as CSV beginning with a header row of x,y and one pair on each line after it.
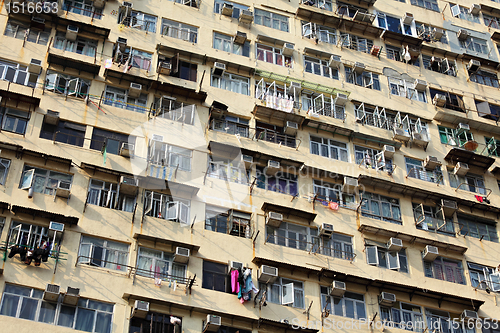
x,y
422,173
472,153
277,138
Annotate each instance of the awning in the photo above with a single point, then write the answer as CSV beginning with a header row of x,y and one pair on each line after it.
x,y
45,214
175,188
286,325
167,50
279,263
11,95
401,38
68,62
270,114
84,28
288,211
10,146
46,157
490,9
456,117
192,247
84,165
4,205
318,53
484,61
331,128
380,141
471,158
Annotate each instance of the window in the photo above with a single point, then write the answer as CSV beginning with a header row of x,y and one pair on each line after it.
x,y
27,303
356,43
231,125
103,253
138,20
378,255
484,77
381,208
477,228
483,277
31,235
366,79
164,206
18,29
333,192
16,73
432,218
491,21
65,132
226,43
189,3
445,269
158,264
43,181
277,96
488,110
232,82
82,7
463,13
2,224
322,4
470,182
132,57
406,89
372,158
440,65
293,236
4,170
425,31
322,105
404,316
237,8
273,55
449,136
285,292
155,323
415,169
475,45
68,85
428,4
351,305
282,182
345,9
320,67
228,221
394,24
109,195
271,20
179,30
441,321
319,33
108,141
120,98
169,108
453,102
228,170
215,276
81,45
329,148
275,134
163,154
338,246
493,146
14,121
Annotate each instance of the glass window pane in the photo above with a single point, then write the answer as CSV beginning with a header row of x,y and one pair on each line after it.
x,y
47,312
66,316
28,309
84,320
9,305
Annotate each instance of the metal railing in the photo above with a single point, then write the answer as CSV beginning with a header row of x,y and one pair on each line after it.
x,y
87,10
230,127
179,33
321,4
278,138
437,225
425,175
227,173
474,188
55,254
176,111
134,22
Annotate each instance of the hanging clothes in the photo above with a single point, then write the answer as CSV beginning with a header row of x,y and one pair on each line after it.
x,y
235,287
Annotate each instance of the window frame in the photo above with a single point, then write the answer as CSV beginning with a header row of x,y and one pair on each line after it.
x,y
231,82
260,17
263,53
106,249
382,201
178,30
276,292
431,270
333,304
161,205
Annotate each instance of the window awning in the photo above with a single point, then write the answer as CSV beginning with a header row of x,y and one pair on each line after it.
x,y
311,13
270,40
470,157
288,211
175,188
45,214
376,139
401,38
287,326
18,97
97,168
68,62
46,157
456,117
331,128
84,28
270,114
317,53
193,248
280,263
485,61
4,205
171,51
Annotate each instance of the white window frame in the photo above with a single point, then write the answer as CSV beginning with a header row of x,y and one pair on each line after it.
x,y
118,97
232,82
19,74
392,258
92,243
320,67
327,145
73,86
276,290
166,207
331,300
179,30
286,61
49,180
160,257
83,7
261,17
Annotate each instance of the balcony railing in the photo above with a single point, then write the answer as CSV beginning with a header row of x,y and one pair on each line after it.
x,y
278,138
86,10
474,188
322,4
229,127
176,111
134,22
419,172
179,33
436,225
229,173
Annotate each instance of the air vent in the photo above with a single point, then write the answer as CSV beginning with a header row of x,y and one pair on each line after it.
x,y
420,84
246,16
408,18
247,159
99,4
475,9
430,253
63,189
56,226
337,289
140,309
268,274
181,255
389,151
165,67
439,100
334,61
235,265
213,323
240,37
219,69
420,139
128,185
449,207
51,292
326,230
35,66
127,4
461,169
272,167
394,244
350,184
431,163
462,128
291,128
359,67
71,32
469,315
462,34
294,88
437,33
387,298
274,219
127,149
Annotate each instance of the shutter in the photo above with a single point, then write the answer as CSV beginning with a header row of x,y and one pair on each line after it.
x,y
372,255
172,211
380,161
393,257
418,213
287,295
483,109
152,145
455,10
85,250
27,179
319,103
428,269
360,112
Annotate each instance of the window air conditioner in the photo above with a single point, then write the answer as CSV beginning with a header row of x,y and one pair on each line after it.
x,y
227,9
234,265
387,298
268,274
181,255
408,18
462,34
462,127
219,68
246,16
431,163
213,323
63,189
341,99
71,32
439,100
337,288
420,84
401,135
475,9
437,33
35,66
127,149
128,185
127,4
449,207
326,230
56,226
473,65
291,128
272,167
420,139
394,244
247,159
99,4
461,169
430,253
122,43
350,184
287,49
334,61
240,37
140,309
165,67
274,219
51,292
294,88
72,296
134,90
389,151
359,67
38,20
51,117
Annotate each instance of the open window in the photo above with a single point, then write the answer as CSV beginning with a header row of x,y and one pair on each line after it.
x,y
27,179
287,294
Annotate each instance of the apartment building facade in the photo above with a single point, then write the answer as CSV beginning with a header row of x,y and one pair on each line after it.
x,y
338,156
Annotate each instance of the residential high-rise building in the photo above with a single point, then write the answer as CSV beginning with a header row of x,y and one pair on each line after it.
x,y
262,166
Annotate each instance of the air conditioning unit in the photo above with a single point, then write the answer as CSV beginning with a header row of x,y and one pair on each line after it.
x,y
127,149
268,274
51,292
462,127
337,288
38,20
56,226
240,37
235,265
291,128
128,185
35,66
334,61
475,9
294,88
359,67
274,219
134,90
439,100
51,117
449,207
431,163
287,49
99,4
326,230
227,9
213,323
246,16
461,169
408,18
420,84
430,253
437,33
389,151
181,255
341,99
72,296
127,4
473,65
71,32
122,43
394,244
219,68
462,34
469,315
63,189
272,167
247,159
140,309
420,139
165,67
350,184
401,135
387,298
